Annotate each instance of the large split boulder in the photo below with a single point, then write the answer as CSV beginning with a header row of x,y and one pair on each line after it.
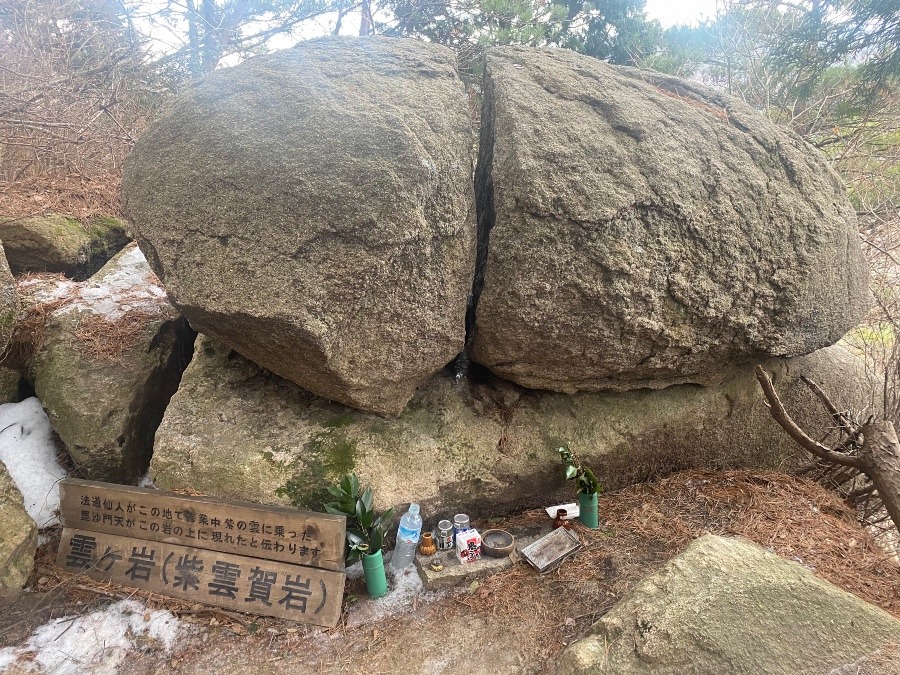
x,y
480,445
728,607
58,243
109,354
638,230
18,535
314,210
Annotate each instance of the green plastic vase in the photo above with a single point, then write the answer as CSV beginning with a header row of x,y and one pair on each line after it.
x,y
373,569
587,510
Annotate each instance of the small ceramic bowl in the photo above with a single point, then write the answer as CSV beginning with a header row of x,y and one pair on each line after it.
x,y
497,543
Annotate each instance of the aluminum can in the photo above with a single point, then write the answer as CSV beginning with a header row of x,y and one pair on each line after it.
x,y
460,524
444,535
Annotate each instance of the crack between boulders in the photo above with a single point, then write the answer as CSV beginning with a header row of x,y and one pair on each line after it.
x,y
485,214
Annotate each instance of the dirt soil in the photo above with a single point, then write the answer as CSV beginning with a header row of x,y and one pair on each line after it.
x,y
515,621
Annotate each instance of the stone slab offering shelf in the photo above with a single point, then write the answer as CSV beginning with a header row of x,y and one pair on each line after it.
x,y
455,573
247,557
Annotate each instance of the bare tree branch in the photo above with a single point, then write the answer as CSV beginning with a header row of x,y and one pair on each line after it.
x,y
778,412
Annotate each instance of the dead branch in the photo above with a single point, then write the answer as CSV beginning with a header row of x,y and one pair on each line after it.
x,y
878,458
839,418
776,408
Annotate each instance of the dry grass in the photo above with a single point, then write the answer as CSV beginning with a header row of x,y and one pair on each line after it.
x,y
30,330
101,339
96,337
73,196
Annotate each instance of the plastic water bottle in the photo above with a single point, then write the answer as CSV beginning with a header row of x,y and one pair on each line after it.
x,y
407,538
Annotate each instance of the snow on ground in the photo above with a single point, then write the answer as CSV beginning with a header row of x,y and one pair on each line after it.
x,y
146,482
112,292
130,285
29,452
404,589
96,643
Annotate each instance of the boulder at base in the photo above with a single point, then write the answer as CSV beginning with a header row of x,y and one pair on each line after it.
x,y
314,210
57,243
9,385
482,446
110,357
728,607
643,231
9,303
18,535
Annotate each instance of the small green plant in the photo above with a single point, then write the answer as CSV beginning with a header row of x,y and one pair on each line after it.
x,y
365,527
585,479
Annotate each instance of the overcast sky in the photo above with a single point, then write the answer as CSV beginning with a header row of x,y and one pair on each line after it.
x,y
671,12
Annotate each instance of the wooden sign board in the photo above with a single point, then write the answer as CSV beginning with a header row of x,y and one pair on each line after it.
x,y
242,528
305,594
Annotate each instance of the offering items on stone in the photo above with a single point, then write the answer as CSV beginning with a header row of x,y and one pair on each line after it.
x,y
468,546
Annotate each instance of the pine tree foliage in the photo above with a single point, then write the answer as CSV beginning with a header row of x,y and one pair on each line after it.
x,y
614,30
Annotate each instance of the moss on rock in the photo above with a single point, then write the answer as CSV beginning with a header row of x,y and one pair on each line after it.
x,y
728,607
58,243
18,535
106,407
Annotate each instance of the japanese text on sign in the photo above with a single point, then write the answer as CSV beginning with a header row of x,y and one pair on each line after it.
x,y
305,594
273,533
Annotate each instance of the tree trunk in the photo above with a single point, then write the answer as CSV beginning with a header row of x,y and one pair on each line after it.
x,y
880,455
209,43
193,19
365,20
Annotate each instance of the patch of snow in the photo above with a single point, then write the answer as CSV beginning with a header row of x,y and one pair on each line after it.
x,y
147,482
96,643
131,284
44,291
404,589
128,284
28,450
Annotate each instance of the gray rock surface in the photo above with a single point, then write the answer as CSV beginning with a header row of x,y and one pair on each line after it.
x,y
314,210
110,359
9,385
58,243
18,535
9,301
647,231
728,607
483,447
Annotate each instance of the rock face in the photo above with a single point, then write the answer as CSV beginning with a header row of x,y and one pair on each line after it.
x,y
314,210
110,358
728,607
9,385
18,535
57,243
235,431
9,301
645,231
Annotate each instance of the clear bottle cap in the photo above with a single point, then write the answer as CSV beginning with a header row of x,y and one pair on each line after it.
x,y
414,508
